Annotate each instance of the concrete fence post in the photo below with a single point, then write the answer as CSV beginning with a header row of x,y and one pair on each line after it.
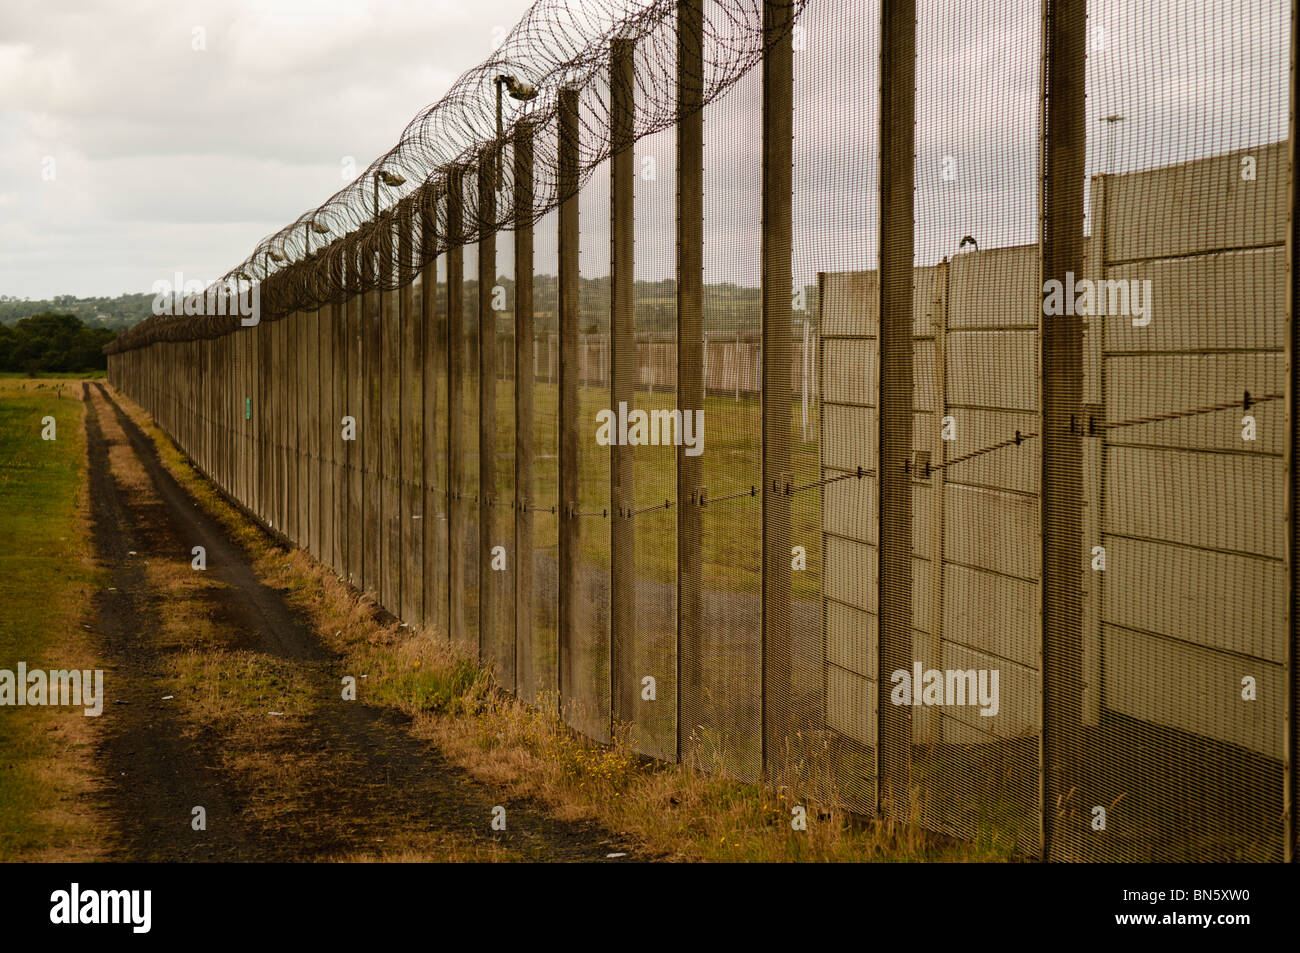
x,y
434,355
690,351
390,453
356,405
455,408
334,425
894,530
1064,48
300,432
570,526
487,410
310,429
525,652
777,404
624,687
371,427
410,557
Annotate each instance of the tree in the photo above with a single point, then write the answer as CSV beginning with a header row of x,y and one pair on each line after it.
x,y
53,343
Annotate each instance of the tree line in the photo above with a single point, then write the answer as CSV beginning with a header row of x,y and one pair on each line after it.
x,y
50,342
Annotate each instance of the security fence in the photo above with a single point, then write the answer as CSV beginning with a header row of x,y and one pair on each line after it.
x,y
893,399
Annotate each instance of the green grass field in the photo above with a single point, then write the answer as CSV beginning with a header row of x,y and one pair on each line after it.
x,y
732,530
45,579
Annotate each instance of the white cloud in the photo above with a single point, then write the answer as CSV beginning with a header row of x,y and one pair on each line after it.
x,y
188,157
169,157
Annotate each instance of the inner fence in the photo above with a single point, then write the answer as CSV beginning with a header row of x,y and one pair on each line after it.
x,y
889,399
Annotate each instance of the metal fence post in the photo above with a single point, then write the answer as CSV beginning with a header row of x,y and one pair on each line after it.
x,y
455,407
334,425
1064,41
487,410
265,437
524,373
690,347
324,432
570,528
390,402
356,404
372,427
310,427
775,389
298,427
281,385
622,492
434,354
410,558
271,425
894,533
1291,712
253,384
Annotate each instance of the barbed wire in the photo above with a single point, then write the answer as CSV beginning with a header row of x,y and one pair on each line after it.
x,y
700,497
1245,403
703,500
454,146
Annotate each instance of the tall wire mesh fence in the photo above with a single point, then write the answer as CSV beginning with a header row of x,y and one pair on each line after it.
x,y
891,399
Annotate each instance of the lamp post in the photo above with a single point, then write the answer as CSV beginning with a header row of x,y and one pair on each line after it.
x,y
317,227
519,91
388,178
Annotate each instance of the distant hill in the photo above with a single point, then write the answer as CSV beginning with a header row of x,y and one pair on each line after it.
x,y
726,306
115,314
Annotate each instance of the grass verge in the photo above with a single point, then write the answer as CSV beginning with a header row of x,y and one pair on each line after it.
x,y
677,811
47,578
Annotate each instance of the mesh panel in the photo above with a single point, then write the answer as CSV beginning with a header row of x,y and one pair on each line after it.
x,y
372,434
410,561
990,527
437,483
587,696
544,678
1186,208
469,544
354,408
836,522
975,369
653,644
504,650
722,714
310,431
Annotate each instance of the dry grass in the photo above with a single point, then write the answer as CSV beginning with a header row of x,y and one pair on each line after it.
x,y
678,811
231,691
396,853
248,699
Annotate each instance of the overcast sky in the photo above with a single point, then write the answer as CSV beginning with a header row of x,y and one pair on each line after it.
x,y
143,137
167,157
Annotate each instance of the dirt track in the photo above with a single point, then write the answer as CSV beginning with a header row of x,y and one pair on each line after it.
x,y
348,779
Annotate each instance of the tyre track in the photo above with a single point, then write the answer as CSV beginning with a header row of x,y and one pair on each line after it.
x,y
352,779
